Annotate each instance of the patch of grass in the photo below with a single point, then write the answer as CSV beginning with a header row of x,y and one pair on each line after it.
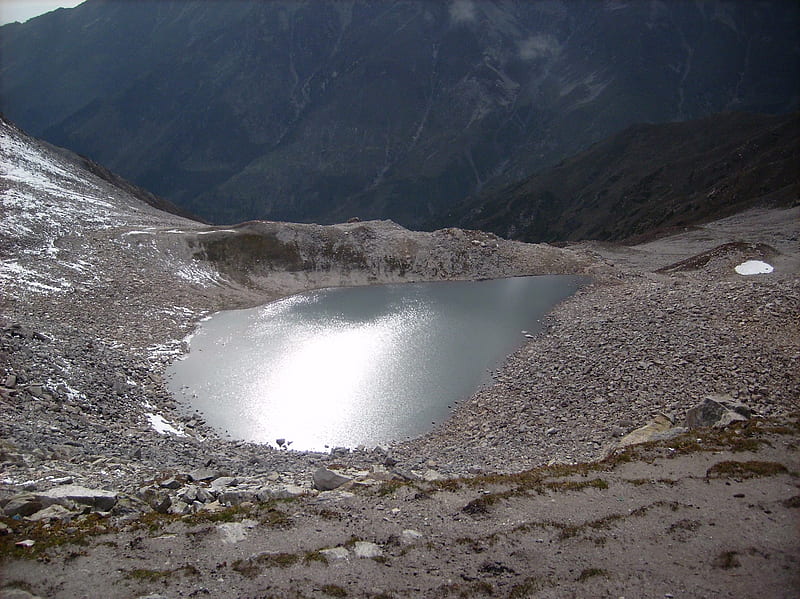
x,y
279,560
480,505
351,542
588,573
389,487
576,485
252,566
246,568
525,588
314,556
334,590
684,524
145,575
48,535
792,502
450,484
327,514
726,560
743,470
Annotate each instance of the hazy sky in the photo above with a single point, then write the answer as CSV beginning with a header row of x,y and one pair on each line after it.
x,y
22,10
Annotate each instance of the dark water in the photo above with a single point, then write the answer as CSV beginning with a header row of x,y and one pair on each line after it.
x,y
362,365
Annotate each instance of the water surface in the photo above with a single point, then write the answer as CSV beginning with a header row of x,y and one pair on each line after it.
x,y
359,365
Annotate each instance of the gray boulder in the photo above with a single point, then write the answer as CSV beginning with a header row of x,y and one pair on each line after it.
x,y
717,410
327,480
98,499
22,505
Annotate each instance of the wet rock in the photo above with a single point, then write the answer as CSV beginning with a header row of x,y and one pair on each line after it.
x,y
327,480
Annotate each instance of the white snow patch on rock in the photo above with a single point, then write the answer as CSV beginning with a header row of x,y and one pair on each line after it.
x,y
754,267
162,426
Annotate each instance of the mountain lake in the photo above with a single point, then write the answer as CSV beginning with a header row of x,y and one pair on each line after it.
x,y
344,367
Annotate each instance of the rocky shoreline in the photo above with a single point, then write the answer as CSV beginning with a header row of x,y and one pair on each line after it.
x,y
628,346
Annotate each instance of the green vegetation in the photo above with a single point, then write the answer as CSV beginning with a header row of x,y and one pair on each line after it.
x,y
47,535
334,590
743,470
146,575
588,573
726,560
525,588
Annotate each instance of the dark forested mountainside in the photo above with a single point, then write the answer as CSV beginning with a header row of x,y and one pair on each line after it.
x,y
318,111
647,179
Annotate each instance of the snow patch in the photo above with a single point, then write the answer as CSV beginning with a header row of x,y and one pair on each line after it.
x,y
754,267
162,426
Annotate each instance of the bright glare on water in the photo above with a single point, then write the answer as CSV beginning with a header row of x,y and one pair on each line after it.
x,y
352,366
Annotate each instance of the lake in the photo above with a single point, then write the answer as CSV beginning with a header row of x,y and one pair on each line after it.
x,y
359,365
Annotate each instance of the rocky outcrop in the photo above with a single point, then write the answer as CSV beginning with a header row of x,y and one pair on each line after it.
x,y
719,411
71,498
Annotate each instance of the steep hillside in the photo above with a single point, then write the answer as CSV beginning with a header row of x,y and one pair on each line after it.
x,y
319,111
649,179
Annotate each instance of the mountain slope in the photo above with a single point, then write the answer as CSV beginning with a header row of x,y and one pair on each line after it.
x,y
650,178
318,111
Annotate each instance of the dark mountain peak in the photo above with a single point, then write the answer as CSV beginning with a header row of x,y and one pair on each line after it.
x,y
318,111
648,178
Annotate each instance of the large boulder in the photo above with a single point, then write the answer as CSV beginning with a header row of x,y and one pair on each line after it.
x,y
649,432
23,505
717,410
327,480
98,499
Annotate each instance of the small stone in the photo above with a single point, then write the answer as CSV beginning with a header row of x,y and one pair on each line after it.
x,y
224,481
26,543
431,475
335,553
170,483
203,474
365,549
410,536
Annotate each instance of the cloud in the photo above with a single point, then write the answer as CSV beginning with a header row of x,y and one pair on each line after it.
x,y
462,11
538,46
